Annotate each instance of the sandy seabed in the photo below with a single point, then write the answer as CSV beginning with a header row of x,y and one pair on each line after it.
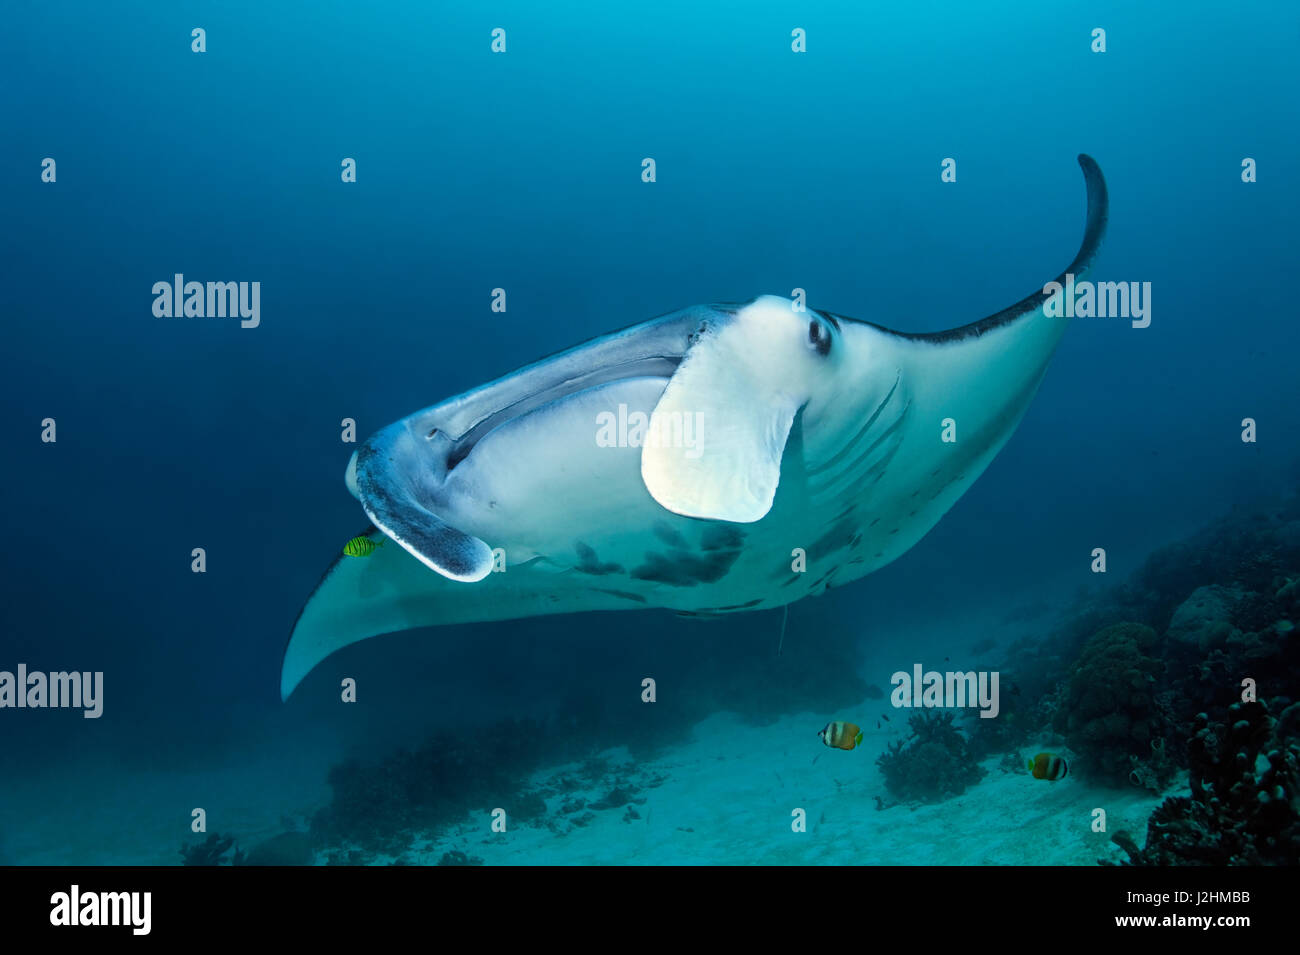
x,y
727,795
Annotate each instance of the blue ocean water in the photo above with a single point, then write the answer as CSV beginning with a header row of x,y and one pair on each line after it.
x,y
522,170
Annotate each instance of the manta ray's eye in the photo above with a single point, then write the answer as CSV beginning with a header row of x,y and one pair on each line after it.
x,y
819,337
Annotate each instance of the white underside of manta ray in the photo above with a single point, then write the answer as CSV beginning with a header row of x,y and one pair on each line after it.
x,y
811,431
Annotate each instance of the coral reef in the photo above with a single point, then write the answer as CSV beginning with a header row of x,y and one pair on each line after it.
x,y
1256,642
211,851
1241,552
934,763
1245,802
1204,620
456,857
1119,679
381,801
1115,679
287,848
379,807
598,774
347,857
528,806
617,798
1155,771
1111,714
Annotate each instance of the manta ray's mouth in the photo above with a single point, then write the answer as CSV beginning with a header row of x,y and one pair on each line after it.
x,y
515,405
651,349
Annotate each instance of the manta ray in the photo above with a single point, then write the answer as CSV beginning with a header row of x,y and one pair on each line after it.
x,y
784,451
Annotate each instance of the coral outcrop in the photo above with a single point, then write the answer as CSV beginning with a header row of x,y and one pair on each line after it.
x,y
285,849
456,857
211,851
1245,802
934,763
379,807
1204,620
1112,716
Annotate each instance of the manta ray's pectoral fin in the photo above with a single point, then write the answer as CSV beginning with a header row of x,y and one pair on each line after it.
x,y
719,430
387,475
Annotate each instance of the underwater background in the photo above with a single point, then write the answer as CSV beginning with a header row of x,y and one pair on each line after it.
x,y
775,170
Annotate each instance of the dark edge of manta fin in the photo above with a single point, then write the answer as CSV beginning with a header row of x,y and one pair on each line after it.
x,y
1093,233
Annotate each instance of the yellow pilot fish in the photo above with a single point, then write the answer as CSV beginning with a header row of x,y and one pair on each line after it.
x,y
1048,766
361,547
841,735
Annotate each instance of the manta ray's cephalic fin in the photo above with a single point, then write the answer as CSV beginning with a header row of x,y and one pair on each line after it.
x,y
385,474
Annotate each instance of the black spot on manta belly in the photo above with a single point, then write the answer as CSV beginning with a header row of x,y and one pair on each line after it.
x,y
666,533
682,568
624,594
589,564
841,535
731,607
721,537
